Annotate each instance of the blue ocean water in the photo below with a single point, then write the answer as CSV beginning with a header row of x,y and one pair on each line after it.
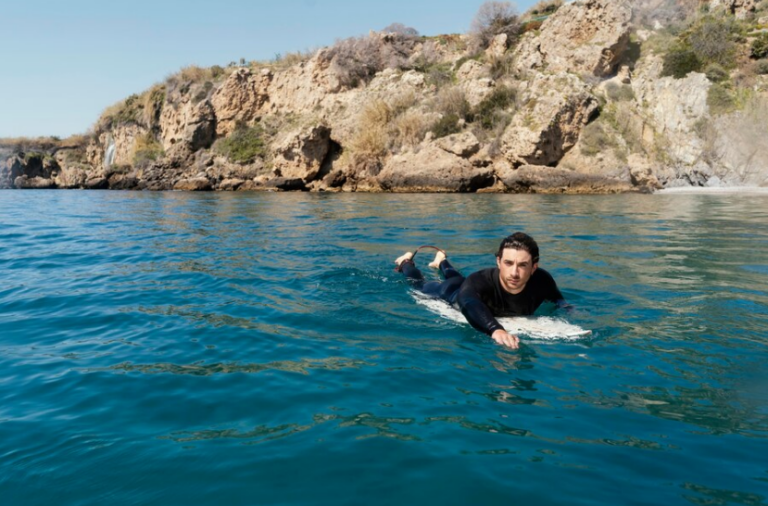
x,y
179,348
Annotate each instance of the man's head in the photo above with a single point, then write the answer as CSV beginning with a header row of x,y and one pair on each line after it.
x,y
517,259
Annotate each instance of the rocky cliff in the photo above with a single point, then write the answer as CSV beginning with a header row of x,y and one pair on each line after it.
x,y
582,102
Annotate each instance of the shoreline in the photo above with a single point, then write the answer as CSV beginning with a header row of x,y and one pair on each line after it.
x,y
700,190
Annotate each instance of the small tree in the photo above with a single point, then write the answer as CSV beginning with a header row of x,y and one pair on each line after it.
x,y
401,29
760,46
492,19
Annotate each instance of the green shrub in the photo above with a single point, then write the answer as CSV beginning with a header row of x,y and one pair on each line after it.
x,y
720,100
447,125
760,46
679,62
761,67
712,40
716,73
243,145
146,150
486,112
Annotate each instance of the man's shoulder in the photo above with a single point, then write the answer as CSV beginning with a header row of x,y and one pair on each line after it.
x,y
542,275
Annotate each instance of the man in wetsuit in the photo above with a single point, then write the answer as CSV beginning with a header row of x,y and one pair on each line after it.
x,y
515,287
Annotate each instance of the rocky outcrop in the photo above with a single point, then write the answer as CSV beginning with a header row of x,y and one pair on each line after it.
x,y
193,184
538,179
556,109
675,107
583,37
739,8
188,123
240,99
301,153
434,170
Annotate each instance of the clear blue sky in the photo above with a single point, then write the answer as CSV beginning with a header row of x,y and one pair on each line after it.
x,y
62,63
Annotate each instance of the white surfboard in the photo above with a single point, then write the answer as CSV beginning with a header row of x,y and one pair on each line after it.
x,y
535,327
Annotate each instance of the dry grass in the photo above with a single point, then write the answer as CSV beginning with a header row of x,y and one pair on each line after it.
x,y
410,128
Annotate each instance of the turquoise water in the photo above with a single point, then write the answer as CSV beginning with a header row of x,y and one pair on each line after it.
x,y
178,348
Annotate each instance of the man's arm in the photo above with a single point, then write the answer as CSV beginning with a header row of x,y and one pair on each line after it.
x,y
479,315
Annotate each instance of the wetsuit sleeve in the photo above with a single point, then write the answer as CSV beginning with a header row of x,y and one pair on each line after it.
x,y
472,294
551,292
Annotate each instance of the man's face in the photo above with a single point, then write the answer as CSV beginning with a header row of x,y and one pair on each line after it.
x,y
515,269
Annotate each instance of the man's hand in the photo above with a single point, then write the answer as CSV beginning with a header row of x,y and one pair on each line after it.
x,y
505,338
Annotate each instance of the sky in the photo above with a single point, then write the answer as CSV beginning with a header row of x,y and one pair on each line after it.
x,y
63,63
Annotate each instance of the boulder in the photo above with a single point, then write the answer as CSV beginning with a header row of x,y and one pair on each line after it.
x,y
10,170
96,183
556,109
432,170
300,154
71,177
195,184
463,144
538,179
34,183
582,37
230,184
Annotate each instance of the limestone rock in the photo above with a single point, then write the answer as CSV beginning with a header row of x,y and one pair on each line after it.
x,y
230,184
71,177
463,144
190,123
240,99
432,170
557,108
193,184
642,174
10,170
739,8
582,37
538,179
675,107
34,183
474,79
498,46
301,153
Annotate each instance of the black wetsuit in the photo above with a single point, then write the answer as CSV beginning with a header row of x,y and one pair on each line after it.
x,y
481,297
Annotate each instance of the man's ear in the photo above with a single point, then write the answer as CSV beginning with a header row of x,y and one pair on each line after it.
x,y
535,266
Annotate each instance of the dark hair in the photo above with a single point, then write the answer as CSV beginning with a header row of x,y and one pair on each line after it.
x,y
522,241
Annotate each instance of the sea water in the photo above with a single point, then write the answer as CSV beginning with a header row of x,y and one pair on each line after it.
x,y
180,348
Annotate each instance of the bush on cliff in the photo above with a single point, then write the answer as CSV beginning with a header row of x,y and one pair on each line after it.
x,y
545,7
720,100
492,19
493,109
357,59
146,150
679,62
759,48
141,109
243,145
761,67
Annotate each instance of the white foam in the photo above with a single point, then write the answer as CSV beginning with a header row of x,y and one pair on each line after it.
x,y
543,328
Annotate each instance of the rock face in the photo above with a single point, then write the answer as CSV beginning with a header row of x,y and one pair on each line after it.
x,y
301,154
538,179
557,108
583,37
240,99
675,109
432,169
188,123
739,8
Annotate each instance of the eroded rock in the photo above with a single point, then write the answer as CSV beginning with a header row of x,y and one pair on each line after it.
x,y
432,170
582,37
